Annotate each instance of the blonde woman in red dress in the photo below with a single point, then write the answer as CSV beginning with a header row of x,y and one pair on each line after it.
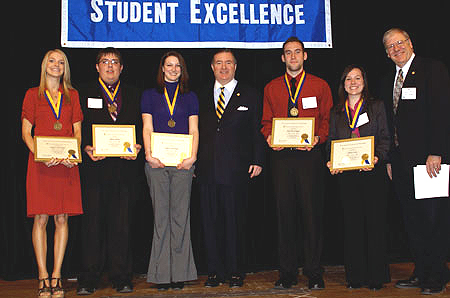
x,y
53,187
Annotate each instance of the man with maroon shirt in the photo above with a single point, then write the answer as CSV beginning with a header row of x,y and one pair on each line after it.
x,y
297,173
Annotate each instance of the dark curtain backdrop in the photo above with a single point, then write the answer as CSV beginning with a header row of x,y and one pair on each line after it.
x,y
33,27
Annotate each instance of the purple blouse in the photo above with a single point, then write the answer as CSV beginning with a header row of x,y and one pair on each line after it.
x,y
154,103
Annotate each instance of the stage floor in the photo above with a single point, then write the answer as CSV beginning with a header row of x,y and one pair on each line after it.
x,y
256,285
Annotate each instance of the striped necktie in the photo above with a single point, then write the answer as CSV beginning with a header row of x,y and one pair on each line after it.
x,y
220,104
112,107
397,90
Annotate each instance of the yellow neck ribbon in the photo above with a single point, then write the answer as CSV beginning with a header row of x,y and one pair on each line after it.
x,y
171,105
354,121
111,96
299,87
55,106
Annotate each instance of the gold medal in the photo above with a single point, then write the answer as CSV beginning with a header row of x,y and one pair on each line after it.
x,y
57,125
171,123
294,112
112,108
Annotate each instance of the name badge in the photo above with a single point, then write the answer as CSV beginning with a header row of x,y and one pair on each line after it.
x,y
409,93
95,103
309,102
363,119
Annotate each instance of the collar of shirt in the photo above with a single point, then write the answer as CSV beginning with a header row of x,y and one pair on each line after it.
x,y
297,78
405,68
228,91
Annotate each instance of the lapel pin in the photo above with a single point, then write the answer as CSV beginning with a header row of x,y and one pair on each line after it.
x,y
238,94
413,73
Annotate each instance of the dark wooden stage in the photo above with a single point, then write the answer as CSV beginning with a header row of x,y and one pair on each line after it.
x,y
256,285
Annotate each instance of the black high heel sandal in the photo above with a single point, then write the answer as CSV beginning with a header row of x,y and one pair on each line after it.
x,y
57,290
45,290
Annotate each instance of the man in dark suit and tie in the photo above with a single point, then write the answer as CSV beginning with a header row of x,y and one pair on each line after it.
x,y
109,184
416,97
231,152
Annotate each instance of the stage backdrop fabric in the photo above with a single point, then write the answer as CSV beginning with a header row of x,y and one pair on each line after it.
x,y
194,23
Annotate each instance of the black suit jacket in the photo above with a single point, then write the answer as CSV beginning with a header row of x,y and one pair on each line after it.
x,y
111,168
228,147
377,127
422,124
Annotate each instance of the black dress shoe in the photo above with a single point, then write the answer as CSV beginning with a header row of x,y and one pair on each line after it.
x,y
412,282
85,290
177,285
124,287
375,287
286,281
213,281
163,287
236,281
354,285
432,289
316,283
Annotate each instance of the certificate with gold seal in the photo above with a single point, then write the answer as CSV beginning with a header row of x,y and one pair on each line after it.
x,y
352,154
46,148
114,140
292,132
171,148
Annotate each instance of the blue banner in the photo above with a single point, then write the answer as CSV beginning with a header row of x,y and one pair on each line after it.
x,y
195,23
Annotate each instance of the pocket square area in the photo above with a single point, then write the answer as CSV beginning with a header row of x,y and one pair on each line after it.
x,y
242,108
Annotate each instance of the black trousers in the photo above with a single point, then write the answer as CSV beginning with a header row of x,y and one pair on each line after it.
x,y
105,232
223,208
427,223
364,200
298,189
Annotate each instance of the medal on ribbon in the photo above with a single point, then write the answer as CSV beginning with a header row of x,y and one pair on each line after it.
x,y
171,105
294,97
353,121
55,106
111,97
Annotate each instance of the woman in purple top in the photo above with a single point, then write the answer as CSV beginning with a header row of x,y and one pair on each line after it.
x,y
170,108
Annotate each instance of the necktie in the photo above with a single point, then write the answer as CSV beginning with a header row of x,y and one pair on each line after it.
x,y
220,103
112,107
397,90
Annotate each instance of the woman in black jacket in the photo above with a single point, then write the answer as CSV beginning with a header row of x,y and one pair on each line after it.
x,y
363,192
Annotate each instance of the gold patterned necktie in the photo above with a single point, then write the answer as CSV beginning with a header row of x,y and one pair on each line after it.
x,y
220,103
397,90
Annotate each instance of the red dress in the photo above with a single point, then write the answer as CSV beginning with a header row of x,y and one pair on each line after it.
x,y
54,190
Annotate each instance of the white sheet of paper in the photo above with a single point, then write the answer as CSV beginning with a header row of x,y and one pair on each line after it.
x,y
426,187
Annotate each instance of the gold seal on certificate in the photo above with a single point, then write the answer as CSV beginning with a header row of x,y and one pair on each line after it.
x,y
114,140
46,148
171,148
294,112
352,154
292,132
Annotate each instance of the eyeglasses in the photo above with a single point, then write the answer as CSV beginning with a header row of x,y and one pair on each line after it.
x,y
112,62
399,43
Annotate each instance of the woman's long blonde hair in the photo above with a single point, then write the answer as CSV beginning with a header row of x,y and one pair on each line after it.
x,y
65,81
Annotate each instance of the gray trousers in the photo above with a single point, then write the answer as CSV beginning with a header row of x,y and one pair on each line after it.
x,y
172,259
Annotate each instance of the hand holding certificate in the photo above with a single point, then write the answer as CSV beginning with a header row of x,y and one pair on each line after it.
x,y
52,149
114,140
292,132
352,154
171,149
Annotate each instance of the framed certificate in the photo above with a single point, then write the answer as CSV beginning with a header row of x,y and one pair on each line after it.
x,y
352,154
113,140
292,132
46,148
171,148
